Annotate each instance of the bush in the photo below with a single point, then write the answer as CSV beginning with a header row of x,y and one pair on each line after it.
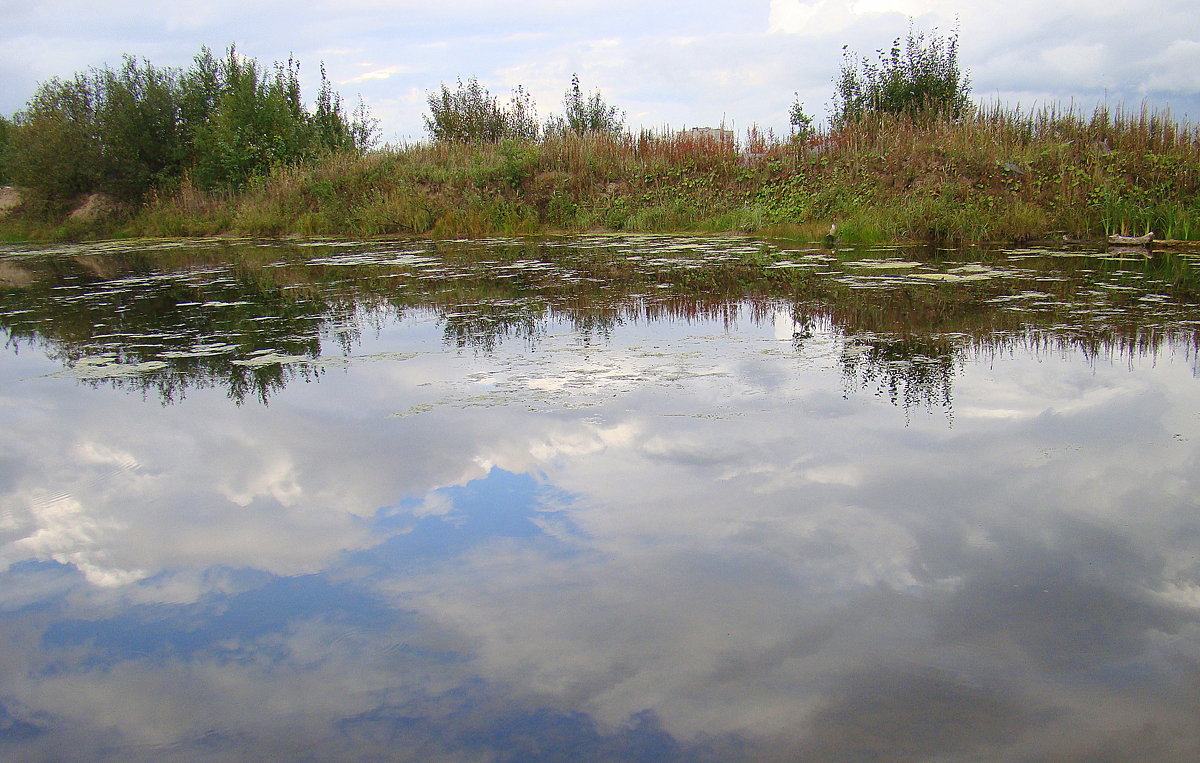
x,y
6,131
129,131
248,120
920,77
470,114
801,122
332,130
55,152
137,126
583,115
258,121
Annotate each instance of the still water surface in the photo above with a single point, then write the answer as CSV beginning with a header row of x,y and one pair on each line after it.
x,y
610,498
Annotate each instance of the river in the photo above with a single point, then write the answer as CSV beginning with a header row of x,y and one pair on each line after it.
x,y
639,498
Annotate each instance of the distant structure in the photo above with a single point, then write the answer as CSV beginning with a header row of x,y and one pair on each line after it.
x,y
718,134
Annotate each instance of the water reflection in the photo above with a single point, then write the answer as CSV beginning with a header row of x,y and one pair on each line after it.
x,y
250,318
607,519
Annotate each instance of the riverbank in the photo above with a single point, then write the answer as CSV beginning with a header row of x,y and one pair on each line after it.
x,y
995,176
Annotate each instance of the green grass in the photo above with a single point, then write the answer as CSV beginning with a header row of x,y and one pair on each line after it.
x,y
992,176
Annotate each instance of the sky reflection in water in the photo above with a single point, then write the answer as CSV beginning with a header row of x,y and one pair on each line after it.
x,y
705,536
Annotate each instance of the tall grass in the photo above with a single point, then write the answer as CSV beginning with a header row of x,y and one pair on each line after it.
x,y
993,174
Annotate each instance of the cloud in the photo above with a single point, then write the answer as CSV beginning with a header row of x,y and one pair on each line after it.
x,y
1176,69
678,65
385,72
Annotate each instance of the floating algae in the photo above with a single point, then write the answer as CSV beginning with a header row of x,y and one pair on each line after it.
x,y
201,351
882,264
267,358
108,367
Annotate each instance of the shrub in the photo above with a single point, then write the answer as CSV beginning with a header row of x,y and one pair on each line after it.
x,y
6,131
470,114
56,150
920,77
258,121
801,122
583,115
132,130
247,120
137,126
332,129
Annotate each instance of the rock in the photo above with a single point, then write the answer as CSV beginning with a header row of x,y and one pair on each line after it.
x,y
97,206
13,275
10,199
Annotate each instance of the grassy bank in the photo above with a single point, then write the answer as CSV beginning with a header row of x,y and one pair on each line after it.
x,y
994,175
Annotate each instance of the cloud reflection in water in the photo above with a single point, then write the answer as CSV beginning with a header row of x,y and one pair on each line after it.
x,y
687,542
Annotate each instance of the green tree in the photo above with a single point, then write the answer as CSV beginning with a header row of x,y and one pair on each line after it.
x,y
331,129
200,90
920,76
56,152
6,131
584,114
138,127
470,114
258,121
131,130
520,118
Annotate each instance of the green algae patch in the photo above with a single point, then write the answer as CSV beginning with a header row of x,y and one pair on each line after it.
x,y
108,367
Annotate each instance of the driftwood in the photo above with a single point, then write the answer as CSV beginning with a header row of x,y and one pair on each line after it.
x,y
1171,243
1145,240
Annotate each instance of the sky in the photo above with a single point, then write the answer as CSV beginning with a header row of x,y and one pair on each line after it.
x,y
667,65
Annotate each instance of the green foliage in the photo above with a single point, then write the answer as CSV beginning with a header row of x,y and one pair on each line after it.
x,y
801,122
138,128
132,130
920,77
56,151
258,122
6,131
470,114
200,91
332,130
588,114
520,161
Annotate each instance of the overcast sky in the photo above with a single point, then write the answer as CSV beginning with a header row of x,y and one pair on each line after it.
x,y
666,64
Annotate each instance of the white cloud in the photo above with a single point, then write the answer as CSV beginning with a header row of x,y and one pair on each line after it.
x,y
1176,69
1080,64
383,72
810,19
743,61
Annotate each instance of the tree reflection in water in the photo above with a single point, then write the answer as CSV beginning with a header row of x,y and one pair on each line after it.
x,y
252,317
